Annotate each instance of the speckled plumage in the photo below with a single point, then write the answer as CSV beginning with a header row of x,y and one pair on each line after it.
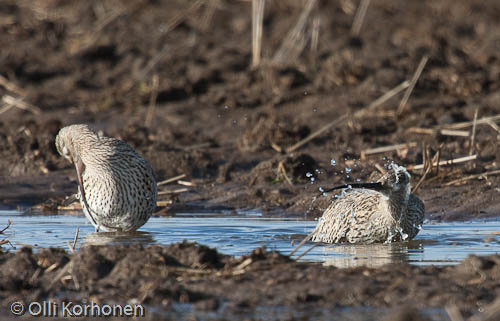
x,y
390,213
117,188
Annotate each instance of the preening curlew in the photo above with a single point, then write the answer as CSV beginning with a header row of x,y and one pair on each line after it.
x,y
117,187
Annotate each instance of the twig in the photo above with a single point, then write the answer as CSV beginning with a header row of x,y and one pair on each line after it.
x,y
170,180
185,183
359,113
315,38
175,191
380,168
208,15
19,103
359,18
316,133
180,17
76,238
5,108
282,170
473,135
493,125
152,101
446,162
150,65
294,42
428,167
413,82
10,86
59,275
306,251
454,132
385,149
257,22
471,177
163,203
424,131
276,147
9,223
382,99
195,146
439,158
307,238
466,124
71,248
454,313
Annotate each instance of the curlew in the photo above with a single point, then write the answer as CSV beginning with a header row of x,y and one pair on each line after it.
x,y
116,186
380,212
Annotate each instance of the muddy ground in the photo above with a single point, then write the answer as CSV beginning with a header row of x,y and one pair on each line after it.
x,y
194,275
229,126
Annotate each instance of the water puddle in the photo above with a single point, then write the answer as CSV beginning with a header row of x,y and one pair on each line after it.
x,y
239,234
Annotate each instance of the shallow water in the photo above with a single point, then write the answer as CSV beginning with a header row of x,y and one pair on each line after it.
x,y
239,234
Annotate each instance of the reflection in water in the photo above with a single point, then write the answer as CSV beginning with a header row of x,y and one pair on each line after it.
x,y
437,243
369,255
116,238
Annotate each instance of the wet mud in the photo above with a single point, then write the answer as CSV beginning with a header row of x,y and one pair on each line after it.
x,y
194,275
230,127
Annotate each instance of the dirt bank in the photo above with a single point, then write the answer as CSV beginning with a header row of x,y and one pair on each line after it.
x,y
186,273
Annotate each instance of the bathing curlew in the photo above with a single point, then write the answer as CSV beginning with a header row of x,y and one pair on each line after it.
x,y
381,212
117,188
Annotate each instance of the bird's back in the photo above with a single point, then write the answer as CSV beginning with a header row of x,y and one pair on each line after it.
x,y
119,185
359,216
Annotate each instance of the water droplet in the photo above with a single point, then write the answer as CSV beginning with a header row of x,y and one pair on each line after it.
x,y
333,162
347,170
309,174
358,180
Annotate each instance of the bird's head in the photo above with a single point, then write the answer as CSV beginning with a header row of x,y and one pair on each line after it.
x,y
67,140
396,180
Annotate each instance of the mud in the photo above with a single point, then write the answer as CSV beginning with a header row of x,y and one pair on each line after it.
x,y
188,273
227,126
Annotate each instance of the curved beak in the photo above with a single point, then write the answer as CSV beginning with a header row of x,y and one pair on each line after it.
x,y
373,186
79,170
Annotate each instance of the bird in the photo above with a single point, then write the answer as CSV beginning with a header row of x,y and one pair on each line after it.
x,y
116,186
381,212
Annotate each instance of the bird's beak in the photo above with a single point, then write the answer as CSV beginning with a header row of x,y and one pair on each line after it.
x,y
373,186
79,170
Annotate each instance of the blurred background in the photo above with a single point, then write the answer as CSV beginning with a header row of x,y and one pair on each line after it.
x,y
258,102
